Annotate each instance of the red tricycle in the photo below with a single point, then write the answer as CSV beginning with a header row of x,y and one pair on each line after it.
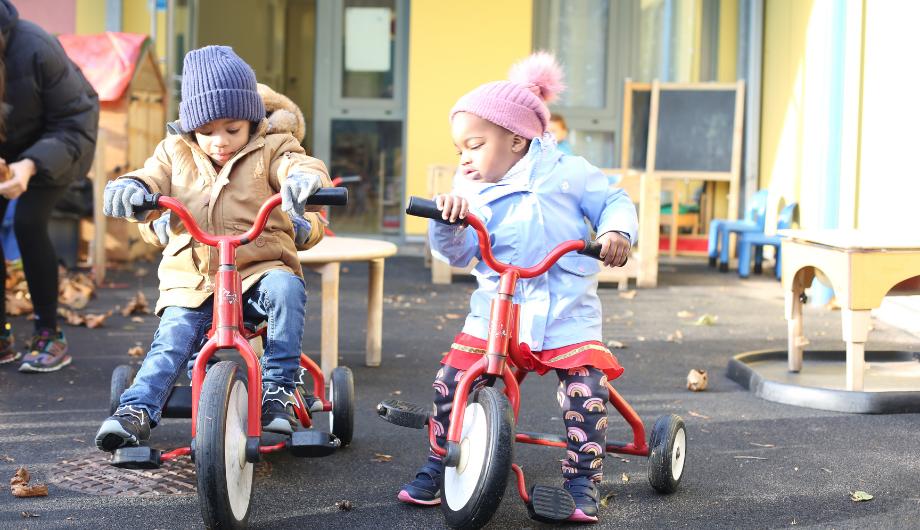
x,y
224,404
479,449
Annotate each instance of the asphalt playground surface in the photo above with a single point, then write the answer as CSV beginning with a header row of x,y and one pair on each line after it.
x,y
750,463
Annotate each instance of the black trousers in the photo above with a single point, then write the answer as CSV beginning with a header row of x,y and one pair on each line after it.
x,y
39,261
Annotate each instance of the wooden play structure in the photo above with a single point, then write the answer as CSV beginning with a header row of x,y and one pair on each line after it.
x,y
123,70
674,133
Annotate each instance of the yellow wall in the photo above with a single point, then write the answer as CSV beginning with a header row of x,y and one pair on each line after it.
x,y
889,181
90,16
453,47
728,41
135,18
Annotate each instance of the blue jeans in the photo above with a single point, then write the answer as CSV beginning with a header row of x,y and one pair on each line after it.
x,y
279,297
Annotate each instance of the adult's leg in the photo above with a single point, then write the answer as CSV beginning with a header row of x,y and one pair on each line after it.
x,y
176,339
39,261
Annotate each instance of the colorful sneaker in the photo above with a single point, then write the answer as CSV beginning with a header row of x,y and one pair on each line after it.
x,y
7,353
303,382
129,426
584,493
278,409
47,352
425,489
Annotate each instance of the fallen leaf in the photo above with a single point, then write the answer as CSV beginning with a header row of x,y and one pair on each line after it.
x,y
396,393
19,485
28,514
825,469
7,458
744,457
860,496
615,344
640,338
706,320
59,399
607,498
136,351
625,478
764,445
628,295
139,320
452,316
399,355
344,505
95,321
676,336
71,317
380,457
140,272
684,314
136,305
697,415
697,380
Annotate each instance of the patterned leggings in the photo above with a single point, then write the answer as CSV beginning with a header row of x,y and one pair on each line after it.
x,y
583,396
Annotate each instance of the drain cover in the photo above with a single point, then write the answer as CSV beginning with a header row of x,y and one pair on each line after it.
x,y
94,475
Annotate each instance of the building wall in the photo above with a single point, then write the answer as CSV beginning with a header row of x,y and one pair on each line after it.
x,y
453,47
135,18
54,16
90,16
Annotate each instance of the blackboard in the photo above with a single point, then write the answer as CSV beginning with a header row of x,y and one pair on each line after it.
x,y
695,130
638,127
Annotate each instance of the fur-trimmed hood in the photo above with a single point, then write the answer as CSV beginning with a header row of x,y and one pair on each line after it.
x,y
283,114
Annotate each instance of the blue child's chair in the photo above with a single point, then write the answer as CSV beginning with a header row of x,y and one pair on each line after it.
x,y
753,242
721,229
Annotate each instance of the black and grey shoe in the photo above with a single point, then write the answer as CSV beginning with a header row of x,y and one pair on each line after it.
x,y
278,409
129,426
303,382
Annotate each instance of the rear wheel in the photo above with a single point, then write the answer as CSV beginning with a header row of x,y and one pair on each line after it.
x,y
474,488
122,377
342,397
224,475
667,453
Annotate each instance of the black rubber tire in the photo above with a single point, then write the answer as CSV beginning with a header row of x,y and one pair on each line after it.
x,y
342,397
122,377
221,383
496,466
662,474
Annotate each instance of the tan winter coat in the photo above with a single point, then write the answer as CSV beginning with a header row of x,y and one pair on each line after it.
x,y
226,202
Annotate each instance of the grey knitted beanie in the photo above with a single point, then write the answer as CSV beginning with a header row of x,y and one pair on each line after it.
x,y
216,84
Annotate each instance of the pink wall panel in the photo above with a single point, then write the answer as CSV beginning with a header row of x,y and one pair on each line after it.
x,y
54,16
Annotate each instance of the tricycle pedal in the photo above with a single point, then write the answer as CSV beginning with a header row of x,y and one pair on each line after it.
x,y
312,443
550,505
140,457
403,413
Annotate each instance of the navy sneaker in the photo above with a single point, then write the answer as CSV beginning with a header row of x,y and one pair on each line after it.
x,y
128,427
425,490
278,409
584,493
303,382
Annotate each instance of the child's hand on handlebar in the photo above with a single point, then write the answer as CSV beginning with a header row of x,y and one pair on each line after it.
x,y
615,249
453,207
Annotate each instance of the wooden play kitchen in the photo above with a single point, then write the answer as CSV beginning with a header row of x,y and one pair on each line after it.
x,y
675,133
862,267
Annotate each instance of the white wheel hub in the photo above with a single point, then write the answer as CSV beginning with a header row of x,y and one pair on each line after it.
x,y
460,482
239,471
678,454
331,399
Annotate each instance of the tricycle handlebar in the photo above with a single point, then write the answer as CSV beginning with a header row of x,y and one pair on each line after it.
x,y
420,207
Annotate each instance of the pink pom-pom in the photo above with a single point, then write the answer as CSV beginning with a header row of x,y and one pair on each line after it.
x,y
541,71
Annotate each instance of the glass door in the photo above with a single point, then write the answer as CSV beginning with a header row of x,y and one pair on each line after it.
x,y
360,109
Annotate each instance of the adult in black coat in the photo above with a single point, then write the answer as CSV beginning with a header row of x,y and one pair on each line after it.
x,y
48,124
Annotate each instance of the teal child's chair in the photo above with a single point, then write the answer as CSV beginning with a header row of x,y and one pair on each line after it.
x,y
720,230
753,243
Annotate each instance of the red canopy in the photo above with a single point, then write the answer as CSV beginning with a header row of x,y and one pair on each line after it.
x,y
107,59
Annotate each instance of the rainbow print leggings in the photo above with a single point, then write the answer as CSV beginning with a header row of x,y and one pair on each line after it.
x,y
583,396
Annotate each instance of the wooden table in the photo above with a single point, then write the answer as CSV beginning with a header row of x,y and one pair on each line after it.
x,y
326,258
862,268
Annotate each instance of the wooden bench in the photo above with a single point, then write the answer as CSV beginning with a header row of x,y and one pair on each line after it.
x,y
326,258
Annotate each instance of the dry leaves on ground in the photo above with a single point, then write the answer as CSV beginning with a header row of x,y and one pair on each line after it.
x,y
136,351
95,321
860,496
452,316
615,345
136,305
684,314
706,320
75,290
19,485
380,457
624,478
629,295
697,415
697,380
677,336
344,505
607,498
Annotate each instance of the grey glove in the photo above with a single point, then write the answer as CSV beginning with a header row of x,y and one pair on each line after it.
x,y
161,228
121,196
296,189
302,228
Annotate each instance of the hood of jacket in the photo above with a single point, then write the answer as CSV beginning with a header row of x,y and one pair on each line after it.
x,y
9,16
284,116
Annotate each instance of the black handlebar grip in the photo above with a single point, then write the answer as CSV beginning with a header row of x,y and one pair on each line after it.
x,y
151,201
592,249
420,207
329,197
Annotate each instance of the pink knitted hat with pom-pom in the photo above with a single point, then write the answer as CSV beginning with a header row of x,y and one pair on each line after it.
x,y
518,104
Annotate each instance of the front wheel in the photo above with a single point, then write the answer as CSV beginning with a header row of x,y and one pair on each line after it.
x,y
342,397
474,488
224,475
667,453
